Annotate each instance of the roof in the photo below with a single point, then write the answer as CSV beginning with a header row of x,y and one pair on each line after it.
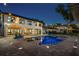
x,y
24,17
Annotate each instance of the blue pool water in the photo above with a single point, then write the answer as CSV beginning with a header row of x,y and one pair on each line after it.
x,y
49,40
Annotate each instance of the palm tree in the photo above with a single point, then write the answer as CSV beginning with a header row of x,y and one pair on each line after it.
x,y
65,12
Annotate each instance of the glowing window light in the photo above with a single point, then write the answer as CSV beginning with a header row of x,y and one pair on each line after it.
x,y
9,19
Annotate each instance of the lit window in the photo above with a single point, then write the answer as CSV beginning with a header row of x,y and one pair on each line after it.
x,y
22,21
8,30
13,19
9,19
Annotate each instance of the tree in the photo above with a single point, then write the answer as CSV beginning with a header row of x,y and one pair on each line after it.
x,y
65,12
58,24
74,26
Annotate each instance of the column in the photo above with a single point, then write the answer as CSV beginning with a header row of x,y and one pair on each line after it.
x,y
41,31
33,31
5,30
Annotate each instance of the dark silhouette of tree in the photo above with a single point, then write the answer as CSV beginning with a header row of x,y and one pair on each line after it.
x,y
74,26
65,12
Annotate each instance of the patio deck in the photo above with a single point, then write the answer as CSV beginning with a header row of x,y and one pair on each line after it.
x,y
32,48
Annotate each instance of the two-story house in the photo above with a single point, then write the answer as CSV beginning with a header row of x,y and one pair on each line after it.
x,y
11,23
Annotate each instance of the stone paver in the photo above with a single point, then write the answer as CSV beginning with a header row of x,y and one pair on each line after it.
x,y
33,48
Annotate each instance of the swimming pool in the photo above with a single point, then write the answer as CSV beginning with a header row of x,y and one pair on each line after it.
x,y
49,40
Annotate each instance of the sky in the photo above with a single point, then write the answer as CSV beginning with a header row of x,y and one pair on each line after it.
x,y
42,11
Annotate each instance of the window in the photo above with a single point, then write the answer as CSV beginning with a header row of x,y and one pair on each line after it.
x,y
29,23
9,19
22,21
9,30
29,20
36,24
13,19
40,25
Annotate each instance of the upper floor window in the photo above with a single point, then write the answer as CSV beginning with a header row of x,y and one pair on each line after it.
x,y
40,25
10,19
36,24
13,19
22,21
29,22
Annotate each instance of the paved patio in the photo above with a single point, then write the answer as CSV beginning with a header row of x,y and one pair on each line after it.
x,y
33,48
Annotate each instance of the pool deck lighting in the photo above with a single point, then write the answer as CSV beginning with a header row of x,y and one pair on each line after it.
x,y
47,46
20,48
